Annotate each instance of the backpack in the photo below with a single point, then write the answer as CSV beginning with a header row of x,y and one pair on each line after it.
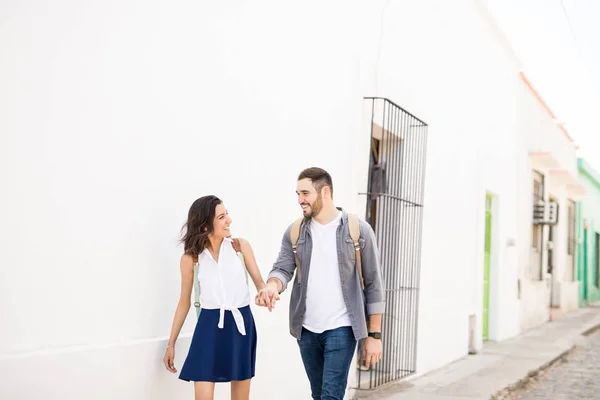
x,y
353,227
238,249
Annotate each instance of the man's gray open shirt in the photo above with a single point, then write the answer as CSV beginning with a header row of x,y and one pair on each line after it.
x,y
359,303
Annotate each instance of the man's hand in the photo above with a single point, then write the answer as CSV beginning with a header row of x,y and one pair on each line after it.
x,y
371,351
268,296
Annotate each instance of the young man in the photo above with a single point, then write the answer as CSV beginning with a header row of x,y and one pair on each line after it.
x,y
328,303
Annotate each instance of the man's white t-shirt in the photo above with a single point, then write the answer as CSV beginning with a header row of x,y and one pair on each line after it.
x,y
325,306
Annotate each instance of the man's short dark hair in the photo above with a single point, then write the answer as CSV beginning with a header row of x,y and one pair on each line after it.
x,y
319,177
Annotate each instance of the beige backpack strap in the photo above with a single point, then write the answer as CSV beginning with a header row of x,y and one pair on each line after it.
x,y
294,235
196,288
238,249
354,228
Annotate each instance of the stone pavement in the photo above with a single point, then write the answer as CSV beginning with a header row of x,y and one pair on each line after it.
x,y
500,367
577,376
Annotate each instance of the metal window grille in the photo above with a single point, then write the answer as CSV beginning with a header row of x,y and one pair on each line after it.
x,y
395,211
537,232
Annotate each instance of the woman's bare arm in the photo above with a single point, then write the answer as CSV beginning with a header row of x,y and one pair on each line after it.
x,y
251,265
186,266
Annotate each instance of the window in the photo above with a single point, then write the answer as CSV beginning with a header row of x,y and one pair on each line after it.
x,y
572,213
537,229
538,196
395,186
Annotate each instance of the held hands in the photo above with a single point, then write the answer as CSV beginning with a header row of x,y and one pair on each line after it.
x,y
267,297
371,351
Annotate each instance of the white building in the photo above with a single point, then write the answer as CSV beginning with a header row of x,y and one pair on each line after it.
x,y
548,283
118,115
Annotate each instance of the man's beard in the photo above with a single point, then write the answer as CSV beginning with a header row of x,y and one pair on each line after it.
x,y
315,208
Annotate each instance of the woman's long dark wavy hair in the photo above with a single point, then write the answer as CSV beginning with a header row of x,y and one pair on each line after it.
x,y
199,225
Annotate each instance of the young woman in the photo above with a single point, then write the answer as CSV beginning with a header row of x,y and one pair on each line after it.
x,y
223,348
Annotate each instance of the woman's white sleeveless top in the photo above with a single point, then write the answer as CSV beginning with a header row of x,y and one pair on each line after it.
x,y
223,284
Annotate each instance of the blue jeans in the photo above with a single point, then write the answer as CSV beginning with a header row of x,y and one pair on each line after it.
x,y
327,357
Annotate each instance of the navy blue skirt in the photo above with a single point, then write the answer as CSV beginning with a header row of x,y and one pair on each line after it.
x,y
221,355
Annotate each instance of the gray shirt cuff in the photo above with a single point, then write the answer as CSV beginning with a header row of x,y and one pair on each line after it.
x,y
281,277
376,308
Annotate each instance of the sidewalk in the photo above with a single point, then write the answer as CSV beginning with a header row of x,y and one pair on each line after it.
x,y
498,365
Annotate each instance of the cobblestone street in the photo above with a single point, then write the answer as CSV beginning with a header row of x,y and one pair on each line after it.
x,y
498,369
575,377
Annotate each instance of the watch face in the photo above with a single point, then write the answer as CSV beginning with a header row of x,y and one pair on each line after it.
x,y
376,335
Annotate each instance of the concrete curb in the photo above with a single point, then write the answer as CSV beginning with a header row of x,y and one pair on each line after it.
x,y
591,330
532,375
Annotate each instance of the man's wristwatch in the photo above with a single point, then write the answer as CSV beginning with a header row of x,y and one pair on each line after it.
x,y
375,335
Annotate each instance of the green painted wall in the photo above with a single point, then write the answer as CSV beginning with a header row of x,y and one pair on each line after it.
x,y
588,214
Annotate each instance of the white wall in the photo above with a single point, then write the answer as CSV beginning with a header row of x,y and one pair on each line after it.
x,y
118,115
543,135
534,294
452,69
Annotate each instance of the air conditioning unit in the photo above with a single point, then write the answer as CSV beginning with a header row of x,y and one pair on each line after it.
x,y
545,213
